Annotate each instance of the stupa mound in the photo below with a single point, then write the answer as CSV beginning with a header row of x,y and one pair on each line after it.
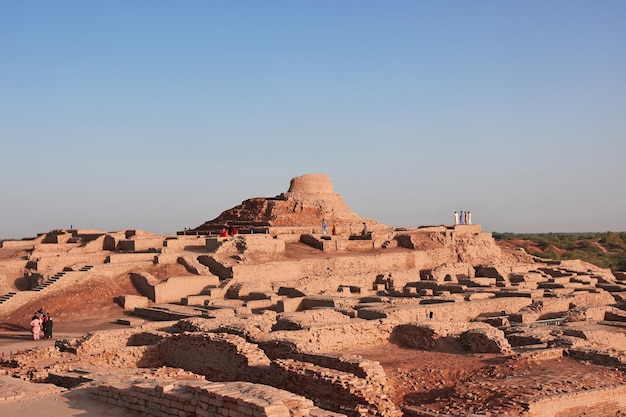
x,y
309,200
311,183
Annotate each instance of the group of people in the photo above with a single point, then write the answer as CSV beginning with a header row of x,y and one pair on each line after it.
x,y
232,231
465,217
325,228
41,322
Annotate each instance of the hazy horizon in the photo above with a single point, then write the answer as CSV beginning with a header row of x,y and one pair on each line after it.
x,y
161,115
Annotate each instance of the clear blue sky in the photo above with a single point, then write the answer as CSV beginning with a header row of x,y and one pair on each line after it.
x,y
159,115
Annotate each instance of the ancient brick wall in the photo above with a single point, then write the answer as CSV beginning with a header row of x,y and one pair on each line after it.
x,y
340,384
119,258
207,399
335,337
175,288
457,311
56,263
599,357
219,356
18,244
601,402
129,357
371,371
106,340
331,389
144,283
182,242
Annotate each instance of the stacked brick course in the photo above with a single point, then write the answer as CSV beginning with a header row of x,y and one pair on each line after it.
x,y
207,399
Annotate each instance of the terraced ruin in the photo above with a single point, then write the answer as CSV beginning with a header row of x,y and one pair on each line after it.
x,y
281,319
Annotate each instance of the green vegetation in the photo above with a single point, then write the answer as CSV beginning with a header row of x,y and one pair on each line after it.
x,y
606,250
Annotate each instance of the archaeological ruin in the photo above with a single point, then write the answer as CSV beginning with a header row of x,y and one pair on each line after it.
x,y
282,318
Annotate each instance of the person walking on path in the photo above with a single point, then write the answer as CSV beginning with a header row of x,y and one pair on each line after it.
x,y
35,326
47,327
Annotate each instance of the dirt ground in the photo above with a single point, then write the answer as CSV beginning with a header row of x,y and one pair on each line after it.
x,y
460,383
47,400
75,311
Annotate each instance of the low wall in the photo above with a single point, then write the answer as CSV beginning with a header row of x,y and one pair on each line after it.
x,y
227,357
224,272
182,242
207,399
57,263
601,402
108,340
330,337
130,302
366,369
332,389
175,288
18,244
548,307
140,244
612,358
120,258
192,265
144,283
457,311
218,356
303,319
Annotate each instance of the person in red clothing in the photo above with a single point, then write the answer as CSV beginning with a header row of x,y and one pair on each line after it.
x,y
223,233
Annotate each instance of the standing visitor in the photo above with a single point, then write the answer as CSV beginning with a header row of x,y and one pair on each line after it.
x,y
456,217
462,217
47,327
324,227
468,217
334,230
35,326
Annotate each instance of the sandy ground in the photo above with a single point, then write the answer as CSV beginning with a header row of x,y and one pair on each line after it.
x,y
46,400
20,398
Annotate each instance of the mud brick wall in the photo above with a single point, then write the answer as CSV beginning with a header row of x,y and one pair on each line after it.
x,y
333,337
174,288
601,402
181,242
119,258
331,389
114,339
561,304
202,399
463,311
599,357
129,357
227,357
218,356
369,370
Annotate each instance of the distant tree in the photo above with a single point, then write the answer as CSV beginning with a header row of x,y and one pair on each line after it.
x,y
613,240
620,264
550,254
